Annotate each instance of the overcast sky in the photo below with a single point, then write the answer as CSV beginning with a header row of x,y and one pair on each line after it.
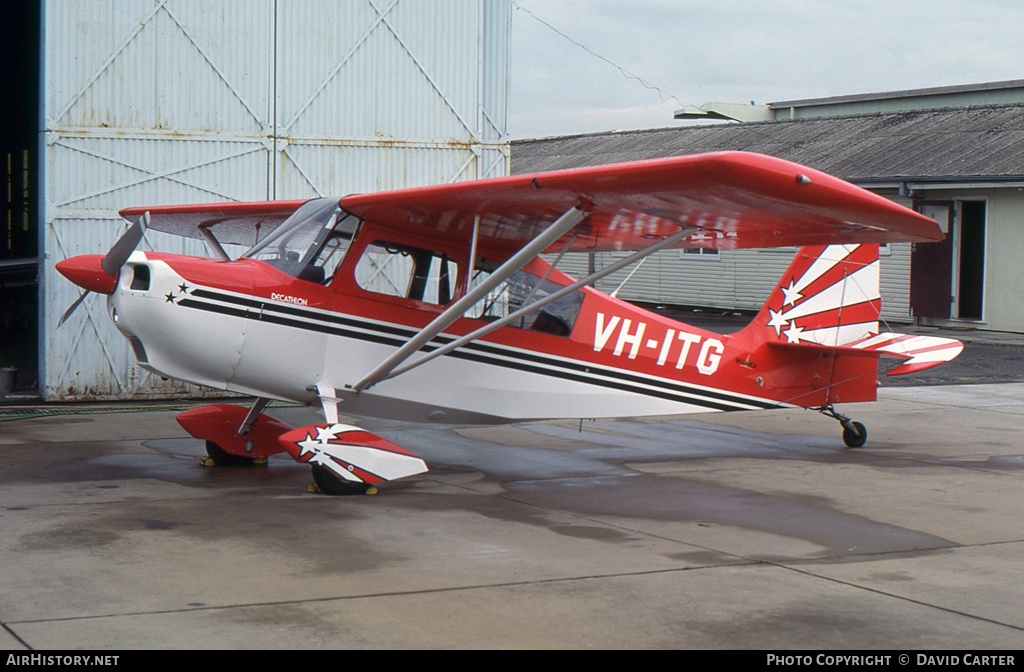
x,y
743,50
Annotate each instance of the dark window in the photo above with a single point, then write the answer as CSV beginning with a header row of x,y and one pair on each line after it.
x,y
697,252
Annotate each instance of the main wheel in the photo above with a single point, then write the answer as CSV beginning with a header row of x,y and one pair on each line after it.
x,y
856,436
332,484
223,458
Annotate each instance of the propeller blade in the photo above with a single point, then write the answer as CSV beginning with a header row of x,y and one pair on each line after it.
x,y
70,310
80,269
125,245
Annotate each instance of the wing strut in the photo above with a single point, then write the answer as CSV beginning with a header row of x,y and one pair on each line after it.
x,y
512,317
456,310
213,243
472,243
544,277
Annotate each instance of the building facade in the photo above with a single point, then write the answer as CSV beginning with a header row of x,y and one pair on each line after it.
x,y
962,165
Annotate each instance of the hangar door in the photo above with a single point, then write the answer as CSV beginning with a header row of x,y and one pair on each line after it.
x,y
198,101
947,278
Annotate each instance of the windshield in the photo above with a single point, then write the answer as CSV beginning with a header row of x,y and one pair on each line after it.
x,y
311,243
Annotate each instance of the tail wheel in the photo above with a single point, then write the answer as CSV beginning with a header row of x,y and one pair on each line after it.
x,y
332,484
223,458
855,434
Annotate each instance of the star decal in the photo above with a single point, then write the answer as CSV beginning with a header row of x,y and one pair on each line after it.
x,y
183,288
792,295
315,447
321,458
170,297
793,333
325,434
309,445
777,320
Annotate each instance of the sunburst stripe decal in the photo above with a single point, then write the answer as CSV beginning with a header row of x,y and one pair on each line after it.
x,y
832,299
835,335
825,262
921,352
352,453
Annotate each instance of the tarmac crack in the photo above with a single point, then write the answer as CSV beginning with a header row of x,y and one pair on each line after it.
x,y
902,598
514,584
370,596
13,634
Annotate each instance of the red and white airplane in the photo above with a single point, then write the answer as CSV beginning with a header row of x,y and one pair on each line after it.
x,y
433,304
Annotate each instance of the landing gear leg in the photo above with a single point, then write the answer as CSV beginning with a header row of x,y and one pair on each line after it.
x,y
253,415
855,434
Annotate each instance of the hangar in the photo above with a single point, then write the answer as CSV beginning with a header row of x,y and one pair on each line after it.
x,y
954,153
117,103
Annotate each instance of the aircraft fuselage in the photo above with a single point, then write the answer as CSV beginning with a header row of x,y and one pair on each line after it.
x,y
244,326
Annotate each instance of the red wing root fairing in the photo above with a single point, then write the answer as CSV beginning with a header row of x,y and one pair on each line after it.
x,y
432,304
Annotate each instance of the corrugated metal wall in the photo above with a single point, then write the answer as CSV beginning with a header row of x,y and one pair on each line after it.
x,y
733,279
186,101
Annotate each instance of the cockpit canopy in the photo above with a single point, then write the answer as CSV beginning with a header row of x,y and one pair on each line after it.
x,y
311,243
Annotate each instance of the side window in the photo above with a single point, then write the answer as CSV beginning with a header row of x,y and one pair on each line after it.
x,y
522,288
408,272
692,252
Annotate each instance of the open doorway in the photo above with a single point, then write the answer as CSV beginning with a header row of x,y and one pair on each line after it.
x,y
947,278
970,231
19,230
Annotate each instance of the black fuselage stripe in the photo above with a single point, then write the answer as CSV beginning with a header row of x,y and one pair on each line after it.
x,y
263,311
468,356
735,403
302,312
495,350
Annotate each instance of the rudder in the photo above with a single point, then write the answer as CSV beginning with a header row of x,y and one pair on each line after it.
x,y
829,295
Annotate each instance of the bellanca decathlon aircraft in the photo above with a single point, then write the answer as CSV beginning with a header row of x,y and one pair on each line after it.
x,y
433,304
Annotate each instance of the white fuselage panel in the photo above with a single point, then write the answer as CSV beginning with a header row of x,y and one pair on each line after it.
x,y
257,346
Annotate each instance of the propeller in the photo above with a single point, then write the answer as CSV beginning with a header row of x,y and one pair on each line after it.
x,y
95,273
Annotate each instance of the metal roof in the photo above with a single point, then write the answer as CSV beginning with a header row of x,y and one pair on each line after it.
x,y
905,93
965,144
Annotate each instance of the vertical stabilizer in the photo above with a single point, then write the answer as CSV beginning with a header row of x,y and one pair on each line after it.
x,y
829,295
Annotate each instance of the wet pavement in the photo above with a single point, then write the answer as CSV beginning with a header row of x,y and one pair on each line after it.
x,y
743,530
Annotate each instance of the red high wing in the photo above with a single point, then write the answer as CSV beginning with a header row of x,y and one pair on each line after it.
x,y
231,223
735,199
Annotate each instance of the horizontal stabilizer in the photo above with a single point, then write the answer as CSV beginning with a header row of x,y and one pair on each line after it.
x,y
921,352
351,453
819,347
